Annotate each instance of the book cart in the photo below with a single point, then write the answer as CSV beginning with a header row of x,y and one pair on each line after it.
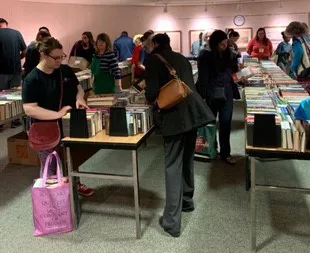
x,y
265,139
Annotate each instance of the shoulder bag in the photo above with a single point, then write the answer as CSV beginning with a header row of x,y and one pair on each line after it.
x,y
46,135
173,92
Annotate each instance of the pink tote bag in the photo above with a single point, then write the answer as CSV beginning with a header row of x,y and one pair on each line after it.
x,y
51,202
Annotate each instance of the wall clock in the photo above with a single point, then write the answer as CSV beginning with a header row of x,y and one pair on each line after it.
x,y
239,20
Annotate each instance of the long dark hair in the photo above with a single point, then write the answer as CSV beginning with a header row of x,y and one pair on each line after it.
x,y
223,61
90,37
265,41
232,33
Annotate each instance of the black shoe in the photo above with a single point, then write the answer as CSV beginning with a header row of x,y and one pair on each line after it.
x,y
167,230
188,209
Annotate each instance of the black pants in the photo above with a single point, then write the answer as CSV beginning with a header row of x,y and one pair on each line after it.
x,y
179,175
224,111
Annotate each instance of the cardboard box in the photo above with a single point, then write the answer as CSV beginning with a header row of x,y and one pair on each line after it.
x,y
20,152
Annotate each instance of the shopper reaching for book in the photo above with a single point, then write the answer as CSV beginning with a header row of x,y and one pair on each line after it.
x,y
178,125
215,83
49,92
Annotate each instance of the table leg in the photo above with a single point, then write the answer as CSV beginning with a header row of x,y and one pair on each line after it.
x,y
253,204
247,174
72,192
136,192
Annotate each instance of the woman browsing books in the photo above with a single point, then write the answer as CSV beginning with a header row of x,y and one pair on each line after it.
x,y
49,92
215,83
104,67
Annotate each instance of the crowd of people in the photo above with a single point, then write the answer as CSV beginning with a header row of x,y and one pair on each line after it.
x,y
50,89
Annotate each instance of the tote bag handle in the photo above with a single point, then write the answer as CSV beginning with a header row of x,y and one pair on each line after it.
x,y
59,172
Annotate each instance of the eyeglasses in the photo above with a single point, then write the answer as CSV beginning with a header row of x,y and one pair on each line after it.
x,y
57,58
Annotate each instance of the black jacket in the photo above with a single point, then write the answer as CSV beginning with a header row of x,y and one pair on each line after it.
x,y
209,75
187,115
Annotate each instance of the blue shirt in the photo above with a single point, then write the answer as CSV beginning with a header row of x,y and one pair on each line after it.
x,y
298,54
125,47
196,48
284,50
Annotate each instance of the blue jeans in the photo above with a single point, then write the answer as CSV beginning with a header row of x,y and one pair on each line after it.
x,y
225,112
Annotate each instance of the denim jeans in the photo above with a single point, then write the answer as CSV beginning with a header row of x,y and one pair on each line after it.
x,y
225,111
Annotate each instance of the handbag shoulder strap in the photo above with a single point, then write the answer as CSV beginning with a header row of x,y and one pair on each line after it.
x,y
168,66
61,90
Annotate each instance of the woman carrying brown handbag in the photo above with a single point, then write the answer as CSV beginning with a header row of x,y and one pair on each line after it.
x,y
178,125
49,92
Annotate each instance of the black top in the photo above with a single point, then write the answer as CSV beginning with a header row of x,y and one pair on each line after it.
x,y
11,46
45,89
79,51
214,71
32,59
185,116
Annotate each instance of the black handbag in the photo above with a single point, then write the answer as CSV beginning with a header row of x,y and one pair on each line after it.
x,y
218,94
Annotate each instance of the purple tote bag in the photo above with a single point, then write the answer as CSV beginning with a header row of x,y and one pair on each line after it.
x,y
51,202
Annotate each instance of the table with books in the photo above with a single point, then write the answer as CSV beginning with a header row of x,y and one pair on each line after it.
x,y
11,107
100,134
271,130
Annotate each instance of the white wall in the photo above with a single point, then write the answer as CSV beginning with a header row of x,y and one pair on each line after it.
x,y
67,22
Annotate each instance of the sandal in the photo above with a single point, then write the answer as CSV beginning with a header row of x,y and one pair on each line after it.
x,y
230,160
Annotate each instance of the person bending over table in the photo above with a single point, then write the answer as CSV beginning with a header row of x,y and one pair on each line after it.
x,y
105,67
178,126
41,94
260,47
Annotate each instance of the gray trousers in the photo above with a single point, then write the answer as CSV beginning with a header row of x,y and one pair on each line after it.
x,y
10,81
179,175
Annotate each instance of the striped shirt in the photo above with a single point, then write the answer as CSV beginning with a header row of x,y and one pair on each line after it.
x,y
109,64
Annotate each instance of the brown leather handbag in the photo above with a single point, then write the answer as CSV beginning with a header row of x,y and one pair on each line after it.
x,y
46,135
173,92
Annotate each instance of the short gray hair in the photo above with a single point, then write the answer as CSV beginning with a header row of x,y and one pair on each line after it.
x,y
295,28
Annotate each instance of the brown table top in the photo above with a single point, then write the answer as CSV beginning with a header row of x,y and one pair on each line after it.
x,y
102,139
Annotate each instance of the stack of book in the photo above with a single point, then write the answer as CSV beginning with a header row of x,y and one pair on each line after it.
x,y
10,104
84,78
125,68
103,100
251,62
293,94
139,120
94,123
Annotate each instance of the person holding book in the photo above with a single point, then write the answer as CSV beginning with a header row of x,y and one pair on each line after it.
x,y
104,67
47,86
300,67
137,67
84,48
233,37
215,84
284,51
178,126
260,47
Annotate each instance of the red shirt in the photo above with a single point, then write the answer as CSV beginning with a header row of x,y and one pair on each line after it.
x,y
257,49
136,60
